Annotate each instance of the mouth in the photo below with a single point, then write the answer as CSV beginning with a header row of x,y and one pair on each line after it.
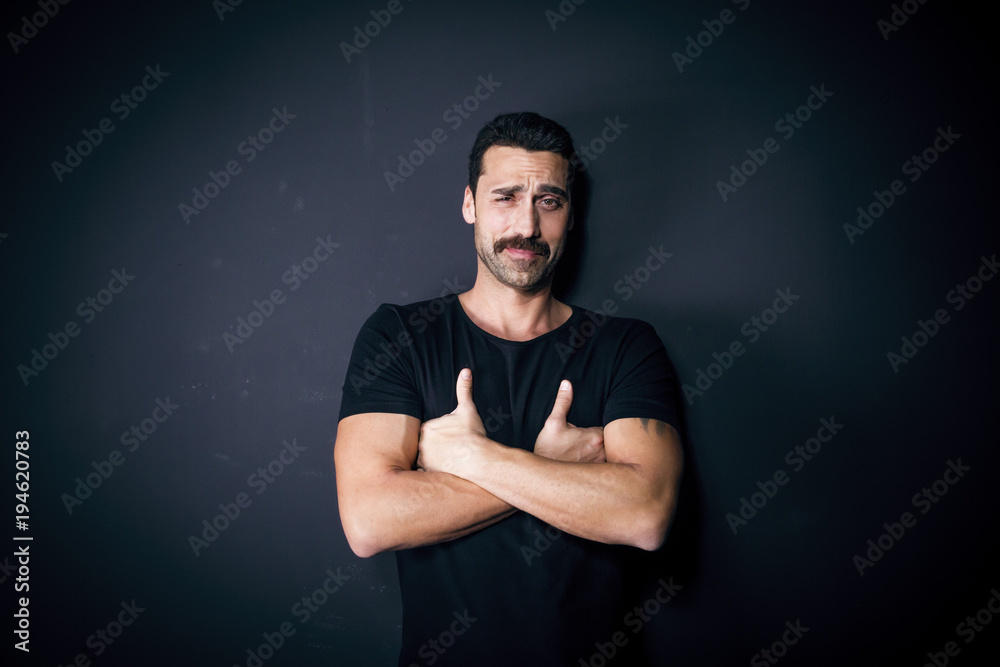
x,y
521,254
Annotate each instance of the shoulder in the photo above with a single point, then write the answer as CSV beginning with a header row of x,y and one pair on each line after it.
x,y
388,312
415,317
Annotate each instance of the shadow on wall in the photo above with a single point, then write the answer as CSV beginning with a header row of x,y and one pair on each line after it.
x,y
677,561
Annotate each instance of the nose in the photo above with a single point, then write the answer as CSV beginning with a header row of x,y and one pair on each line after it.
x,y
525,220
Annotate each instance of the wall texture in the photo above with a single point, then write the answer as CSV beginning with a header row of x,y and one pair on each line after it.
x,y
205,200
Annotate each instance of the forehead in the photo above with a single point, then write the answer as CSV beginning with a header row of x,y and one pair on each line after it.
x,y
503,164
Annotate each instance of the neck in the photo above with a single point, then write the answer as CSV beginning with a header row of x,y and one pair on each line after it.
x,y
510,313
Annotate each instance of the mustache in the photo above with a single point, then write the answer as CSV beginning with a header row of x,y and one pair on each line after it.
x,y
521,243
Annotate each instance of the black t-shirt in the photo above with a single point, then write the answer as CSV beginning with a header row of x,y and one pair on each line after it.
x,y
518,592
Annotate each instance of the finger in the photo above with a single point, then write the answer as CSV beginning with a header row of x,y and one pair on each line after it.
x,y
564,397
463,388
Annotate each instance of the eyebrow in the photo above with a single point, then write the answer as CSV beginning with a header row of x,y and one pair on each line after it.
x,y
544,187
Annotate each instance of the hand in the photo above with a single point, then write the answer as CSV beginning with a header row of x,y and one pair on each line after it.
x,y
449,442
562,441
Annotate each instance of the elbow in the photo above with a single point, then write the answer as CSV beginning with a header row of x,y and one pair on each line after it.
x,y
366,535
651,527
362,540
362,549
650,537
655,516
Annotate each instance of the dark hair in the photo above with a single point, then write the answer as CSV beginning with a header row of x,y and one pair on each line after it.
x,y
526,130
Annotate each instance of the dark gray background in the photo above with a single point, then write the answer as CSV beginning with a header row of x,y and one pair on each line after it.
x,y
655,185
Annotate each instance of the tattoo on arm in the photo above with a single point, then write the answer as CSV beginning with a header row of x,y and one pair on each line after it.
x,y
659,427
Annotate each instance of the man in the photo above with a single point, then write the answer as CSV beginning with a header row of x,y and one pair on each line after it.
x,y
505,457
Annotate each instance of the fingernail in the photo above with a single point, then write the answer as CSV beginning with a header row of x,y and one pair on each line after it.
x,y
465,374
564,385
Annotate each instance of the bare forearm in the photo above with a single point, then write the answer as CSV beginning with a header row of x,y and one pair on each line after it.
x,y
385,505
630,499
615,503
411,508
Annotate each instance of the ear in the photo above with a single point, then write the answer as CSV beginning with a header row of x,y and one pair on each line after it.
x,y
469,206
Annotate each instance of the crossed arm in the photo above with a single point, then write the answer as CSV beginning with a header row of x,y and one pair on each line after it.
x,y
465,481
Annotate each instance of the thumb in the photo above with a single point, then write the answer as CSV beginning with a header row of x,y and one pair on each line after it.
x,y
564,398
463,388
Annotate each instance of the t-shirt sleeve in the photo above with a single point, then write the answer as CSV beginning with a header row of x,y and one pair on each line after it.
x,y
643,382
380,374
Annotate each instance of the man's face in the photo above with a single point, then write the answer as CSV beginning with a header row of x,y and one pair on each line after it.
x,y
521,213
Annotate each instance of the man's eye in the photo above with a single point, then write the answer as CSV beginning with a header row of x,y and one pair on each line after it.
x,y
552,203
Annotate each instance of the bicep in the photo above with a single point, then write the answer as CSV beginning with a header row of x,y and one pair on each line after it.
x,y
370,451
652,447
370,445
